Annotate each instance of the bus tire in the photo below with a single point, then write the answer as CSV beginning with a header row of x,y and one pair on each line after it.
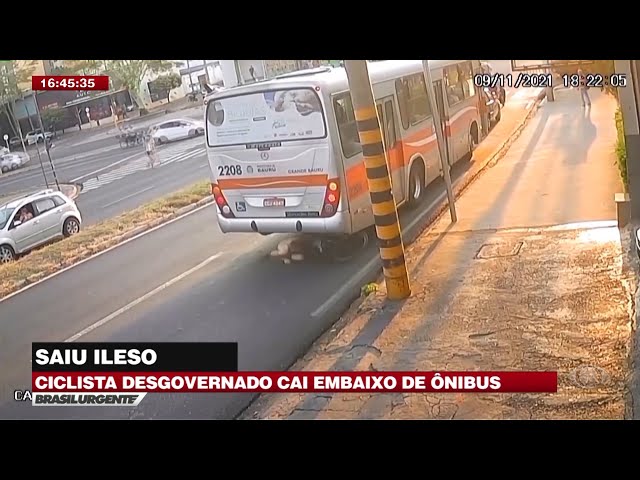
x,y
417,183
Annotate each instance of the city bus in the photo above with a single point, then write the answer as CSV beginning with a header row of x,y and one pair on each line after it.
x,y
285,155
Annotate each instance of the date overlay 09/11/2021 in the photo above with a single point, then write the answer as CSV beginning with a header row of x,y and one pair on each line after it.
x,y
69,82
548,80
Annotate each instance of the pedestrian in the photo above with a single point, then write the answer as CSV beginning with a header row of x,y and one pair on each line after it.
x,y
583,89
150,147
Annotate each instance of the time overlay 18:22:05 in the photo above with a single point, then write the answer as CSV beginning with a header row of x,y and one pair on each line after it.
x,y
546,80
78,82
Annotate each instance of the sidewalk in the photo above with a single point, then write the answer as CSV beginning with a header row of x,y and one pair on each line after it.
x,y
532,277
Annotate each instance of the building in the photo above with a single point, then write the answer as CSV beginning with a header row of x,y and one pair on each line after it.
x,y
194,75
238,72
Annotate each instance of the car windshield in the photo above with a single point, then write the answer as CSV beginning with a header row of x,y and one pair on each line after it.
x,y
5,214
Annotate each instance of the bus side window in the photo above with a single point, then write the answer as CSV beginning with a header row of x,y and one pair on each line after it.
x,y
453,82
347,127
403,98
467,77
418,99
390,130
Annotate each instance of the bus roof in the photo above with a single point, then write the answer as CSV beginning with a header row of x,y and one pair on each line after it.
x,y
334,79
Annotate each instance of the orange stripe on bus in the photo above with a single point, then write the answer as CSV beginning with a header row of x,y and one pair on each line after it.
x,y
289,181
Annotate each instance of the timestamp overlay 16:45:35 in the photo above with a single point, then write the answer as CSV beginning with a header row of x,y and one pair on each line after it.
x,y
70,82
546,80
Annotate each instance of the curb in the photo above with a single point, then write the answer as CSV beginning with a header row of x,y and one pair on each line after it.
x,y
353,299
111,243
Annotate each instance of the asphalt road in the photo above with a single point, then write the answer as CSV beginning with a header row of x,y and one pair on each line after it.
x,y
235,293
209,287
78,156
124,182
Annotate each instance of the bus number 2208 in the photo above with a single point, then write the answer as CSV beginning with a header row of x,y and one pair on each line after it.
x,y
226,170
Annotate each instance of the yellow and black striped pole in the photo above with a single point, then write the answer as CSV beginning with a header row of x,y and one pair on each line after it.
x,y
383,204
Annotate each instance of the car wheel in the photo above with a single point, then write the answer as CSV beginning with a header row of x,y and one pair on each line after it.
x,y
193,133
71,227
162,140
7,254
5,169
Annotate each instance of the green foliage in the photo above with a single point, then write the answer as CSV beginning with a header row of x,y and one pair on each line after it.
x,y
122,73
621,150
13,76
52,117
168,82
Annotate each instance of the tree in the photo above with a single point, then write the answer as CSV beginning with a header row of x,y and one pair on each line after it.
x,y
52,118
168,82
122,73
130,73
12,76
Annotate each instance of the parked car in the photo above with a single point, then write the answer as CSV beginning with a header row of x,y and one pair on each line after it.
x,y
15,142
37,136
177,129
35,219
10,161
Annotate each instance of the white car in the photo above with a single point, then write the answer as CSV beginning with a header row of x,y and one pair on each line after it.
x,y
177,129
10,161
35,219
37,136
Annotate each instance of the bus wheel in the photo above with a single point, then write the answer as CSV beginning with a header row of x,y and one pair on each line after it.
x,y
343,249
416,184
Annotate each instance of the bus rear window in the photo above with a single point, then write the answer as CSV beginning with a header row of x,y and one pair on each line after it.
x,y
274,115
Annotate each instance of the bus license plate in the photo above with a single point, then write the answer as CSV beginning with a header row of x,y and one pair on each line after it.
x,y
273,202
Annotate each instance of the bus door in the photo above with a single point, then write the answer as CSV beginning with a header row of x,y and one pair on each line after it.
x,y
390,136
437,87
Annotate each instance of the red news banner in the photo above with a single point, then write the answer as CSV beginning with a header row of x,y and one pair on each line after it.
x,y
123,373
70,82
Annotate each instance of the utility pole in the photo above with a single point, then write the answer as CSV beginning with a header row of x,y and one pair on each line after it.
x,y
383,204
190,77
444,155
45,141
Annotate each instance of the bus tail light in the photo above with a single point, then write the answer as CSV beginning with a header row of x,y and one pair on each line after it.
x,y
331,198
221,201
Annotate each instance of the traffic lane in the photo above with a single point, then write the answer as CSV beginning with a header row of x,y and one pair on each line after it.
x,y
107,137
169,317
67,171
268,307
68,303
140,188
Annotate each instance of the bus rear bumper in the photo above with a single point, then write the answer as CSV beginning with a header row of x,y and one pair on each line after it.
x,y
338,224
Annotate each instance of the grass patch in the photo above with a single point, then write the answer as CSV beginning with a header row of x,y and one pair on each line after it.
x,y
621,150
95,238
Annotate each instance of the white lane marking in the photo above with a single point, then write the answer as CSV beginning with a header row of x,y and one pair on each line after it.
x,y
359,276
128,196
141,299
197,153
142,234
126,159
